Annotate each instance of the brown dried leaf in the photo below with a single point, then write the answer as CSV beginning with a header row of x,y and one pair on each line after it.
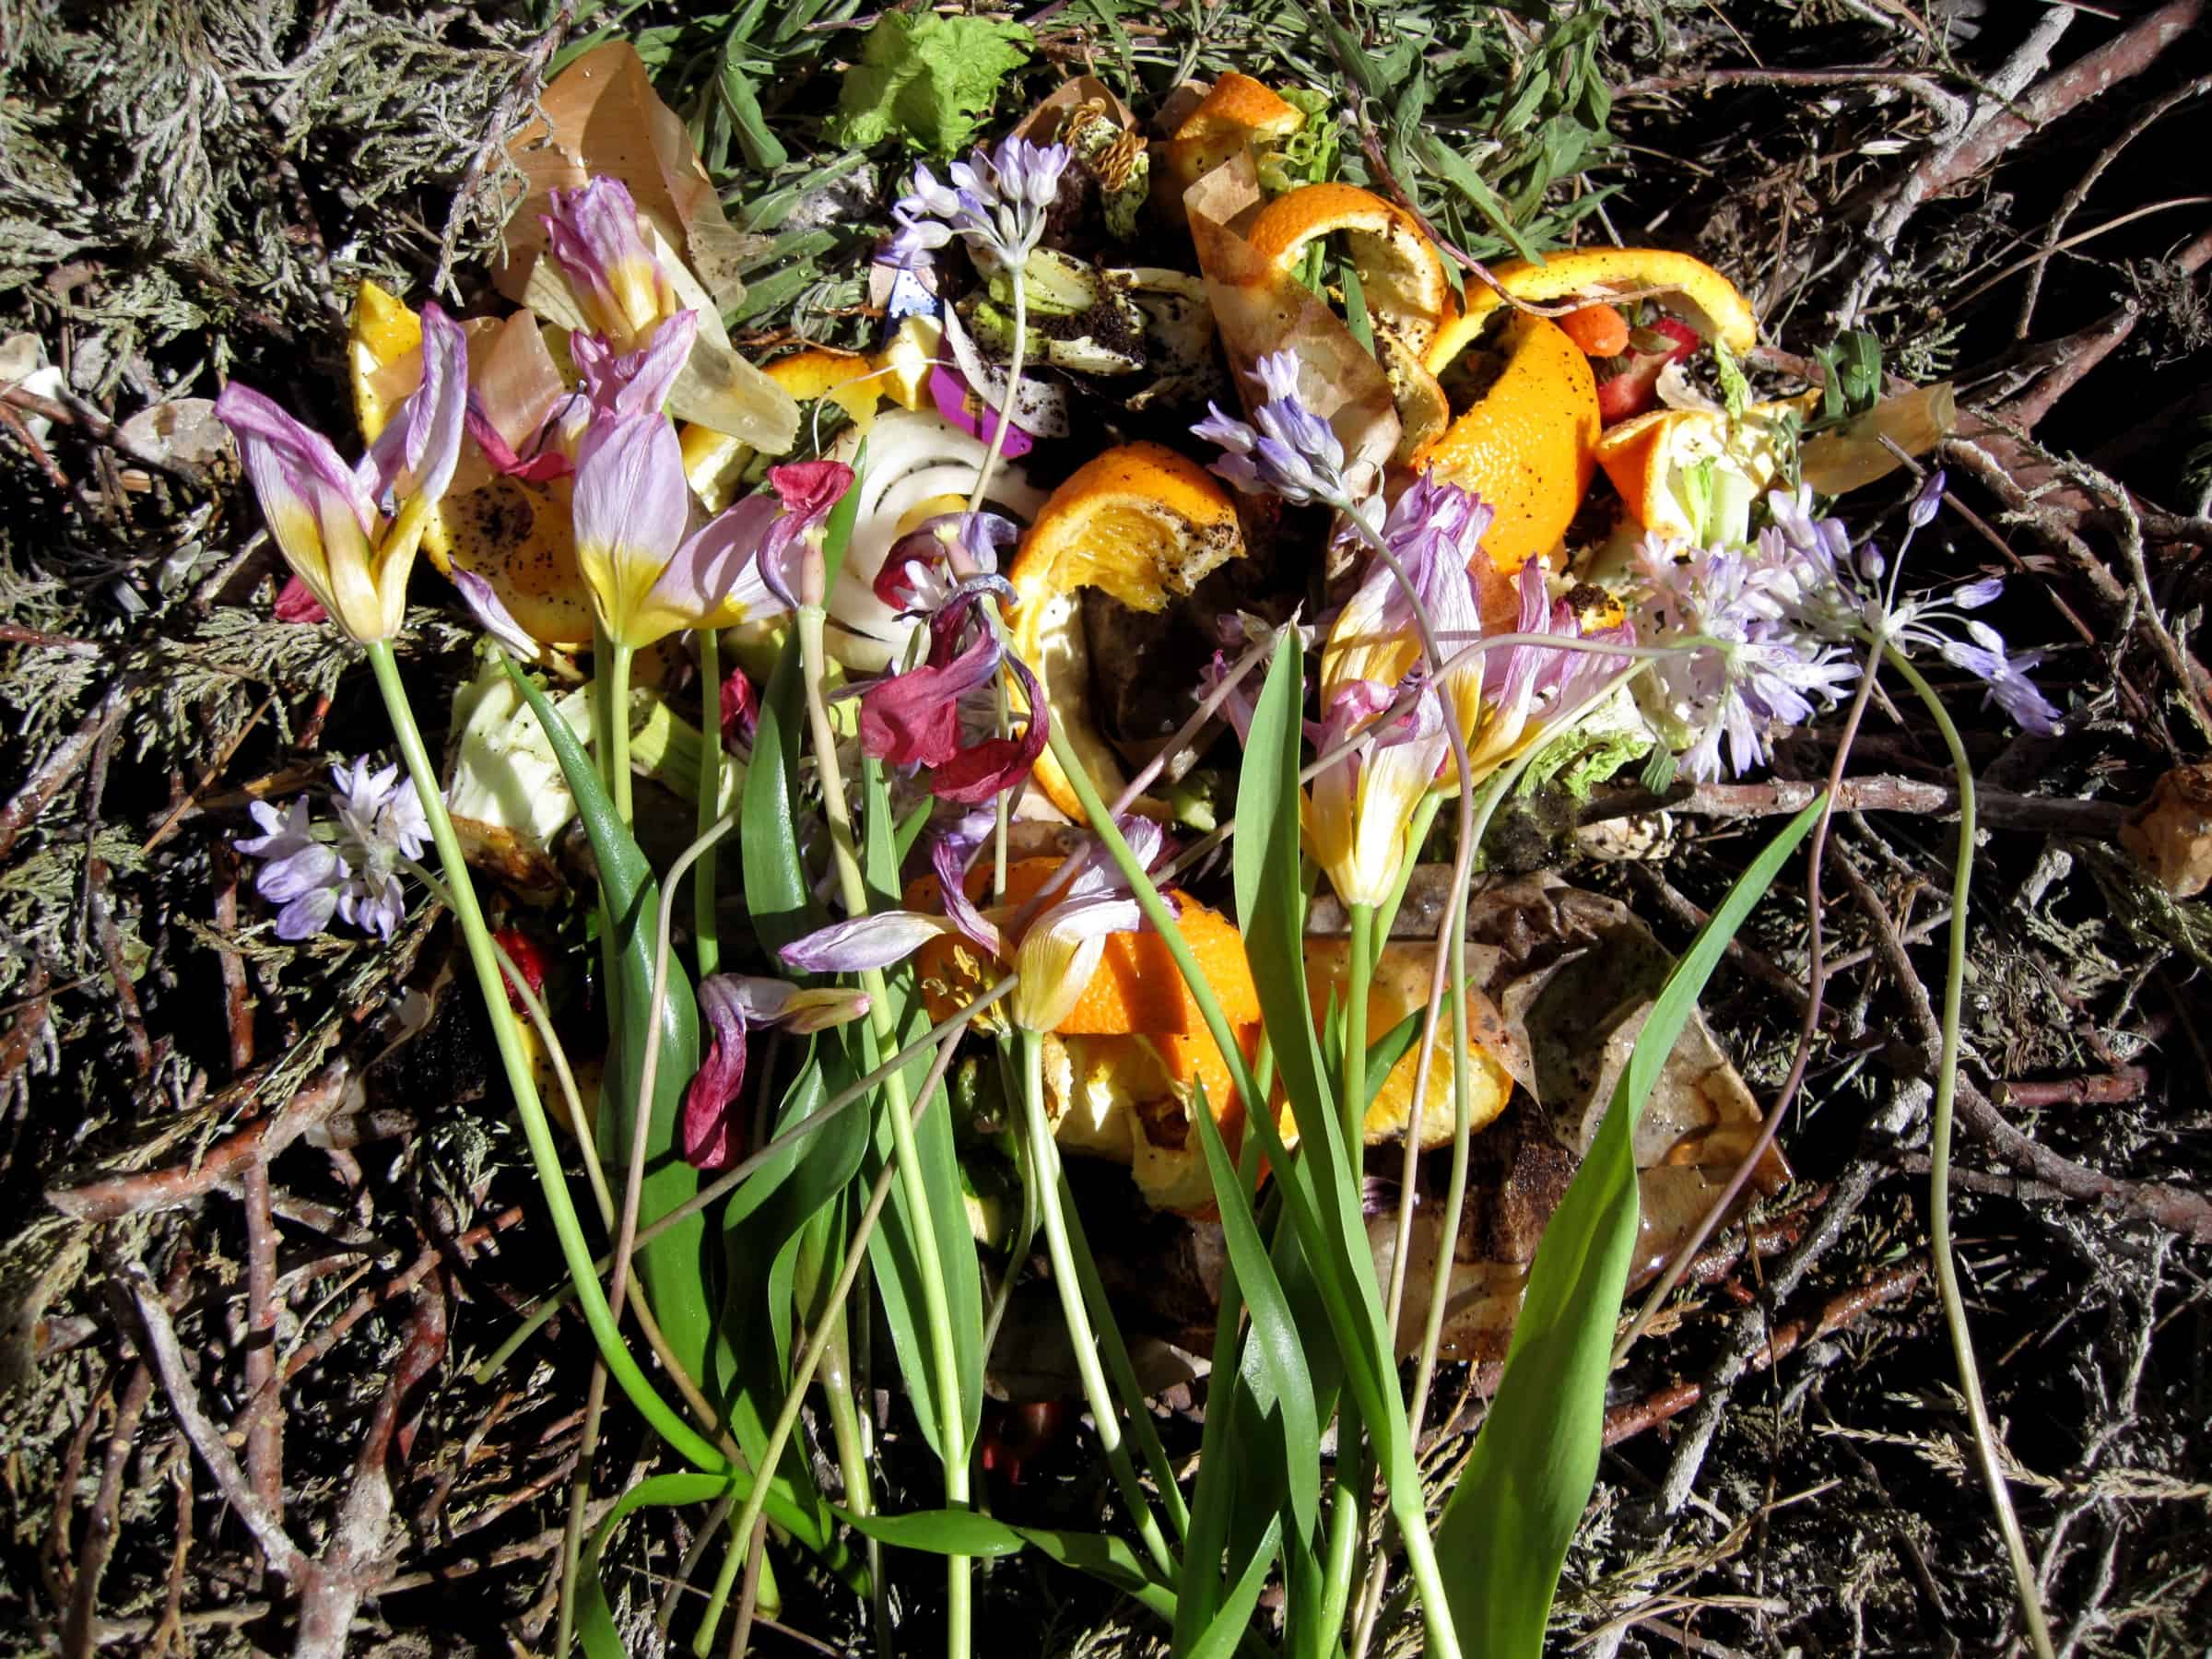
x,y
2171,834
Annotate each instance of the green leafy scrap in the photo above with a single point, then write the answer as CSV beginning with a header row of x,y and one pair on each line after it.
x,y
928,79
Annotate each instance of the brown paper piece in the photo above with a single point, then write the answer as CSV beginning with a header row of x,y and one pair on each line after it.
x,y
1259,308
603,118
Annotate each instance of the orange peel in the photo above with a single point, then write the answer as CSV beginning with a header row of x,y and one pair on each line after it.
x,y
1238,112
1127,1066
1399,987
1528,444
1401,274
1141,525
1136,989
1704,298
1648,458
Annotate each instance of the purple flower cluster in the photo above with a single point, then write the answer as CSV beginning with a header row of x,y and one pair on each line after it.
x,y
351,872
1285,449
1766,630
996,203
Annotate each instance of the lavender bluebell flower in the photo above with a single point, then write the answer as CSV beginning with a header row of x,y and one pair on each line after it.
x,y
1768,627
299,872
383,820
1285,449
351,871
995,202
1754,659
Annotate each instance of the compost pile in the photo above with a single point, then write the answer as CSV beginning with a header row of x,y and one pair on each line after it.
x,y
282,1361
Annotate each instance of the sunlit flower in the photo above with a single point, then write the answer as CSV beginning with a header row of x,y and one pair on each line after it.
x,y
1360,809
633,507
933,564
996,202
1434,532
595,237
350,871
1768,631
734,1005
633,382
914,718
350,534
1750,663
1527,689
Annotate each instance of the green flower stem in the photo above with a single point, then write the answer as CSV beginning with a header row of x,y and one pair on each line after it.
x,y
1001,806
1359,974
1044,1161
1348,1512
723,1185
706,932
935,1304
857,1251
1123,1371
1939,1168
688,1443
1393,1449
535,1008
1016,359
617,731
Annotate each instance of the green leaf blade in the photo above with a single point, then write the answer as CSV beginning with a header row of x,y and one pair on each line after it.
x,y
1505,1531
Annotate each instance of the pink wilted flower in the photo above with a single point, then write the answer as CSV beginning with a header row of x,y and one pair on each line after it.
x,y
351,534
735,1003
632,506
595,238
915,718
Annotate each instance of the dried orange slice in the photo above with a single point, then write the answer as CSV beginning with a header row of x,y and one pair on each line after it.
x,y
516,535
1127,1066
1527,443
1237,111
1700,294
1400,987
1401,274
1143,525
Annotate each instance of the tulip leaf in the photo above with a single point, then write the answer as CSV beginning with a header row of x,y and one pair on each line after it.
x,y
1108,1559
894,1250
763,1222
1230,1624
1504,1532
670,1268
1283,1386
776,890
